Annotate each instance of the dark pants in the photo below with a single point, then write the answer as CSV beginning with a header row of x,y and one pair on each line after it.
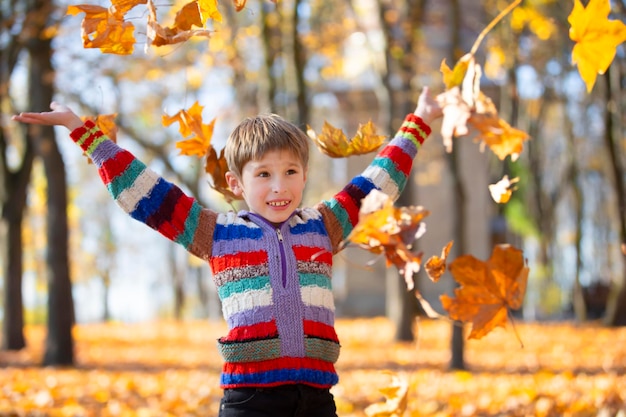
x,y
282,401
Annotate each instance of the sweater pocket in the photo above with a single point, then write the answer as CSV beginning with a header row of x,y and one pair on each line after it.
x,y
250,350
326,350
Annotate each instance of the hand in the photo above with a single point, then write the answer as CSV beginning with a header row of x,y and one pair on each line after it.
x,y
60,115
428,109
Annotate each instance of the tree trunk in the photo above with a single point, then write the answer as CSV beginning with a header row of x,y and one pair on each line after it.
x,y
11,222
59,342
616,308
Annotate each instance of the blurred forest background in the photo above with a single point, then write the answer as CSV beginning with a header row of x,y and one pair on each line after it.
x,y
68,256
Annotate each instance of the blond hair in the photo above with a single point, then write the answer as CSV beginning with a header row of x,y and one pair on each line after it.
x,y
255,136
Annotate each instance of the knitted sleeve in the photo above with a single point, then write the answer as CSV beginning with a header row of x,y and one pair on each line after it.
x,y
388,172
146,196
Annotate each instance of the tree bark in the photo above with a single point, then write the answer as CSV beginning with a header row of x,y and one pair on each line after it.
x,y
59,343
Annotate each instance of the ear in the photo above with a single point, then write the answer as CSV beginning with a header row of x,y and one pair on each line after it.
x,y
234,183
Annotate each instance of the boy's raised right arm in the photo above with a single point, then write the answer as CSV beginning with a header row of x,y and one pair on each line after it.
x,y
139,191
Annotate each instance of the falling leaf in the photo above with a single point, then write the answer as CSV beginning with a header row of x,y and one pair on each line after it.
x,y
105,28
454,77
395,398
190,123
503,139
436,266
385,229
596,37
333,142
487,289
187,17
502,190
239,4
217,167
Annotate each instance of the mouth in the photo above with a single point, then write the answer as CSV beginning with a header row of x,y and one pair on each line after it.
x,y
281,203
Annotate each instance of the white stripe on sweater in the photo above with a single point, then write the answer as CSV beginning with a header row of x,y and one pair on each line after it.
x,y
381,178
247,300
318,297
130,197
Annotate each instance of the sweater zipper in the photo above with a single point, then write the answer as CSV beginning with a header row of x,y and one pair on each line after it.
x,y
283,262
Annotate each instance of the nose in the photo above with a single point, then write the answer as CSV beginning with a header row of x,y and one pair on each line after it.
x,y
278,186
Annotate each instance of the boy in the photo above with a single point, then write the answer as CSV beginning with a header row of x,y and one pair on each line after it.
x,y
271,263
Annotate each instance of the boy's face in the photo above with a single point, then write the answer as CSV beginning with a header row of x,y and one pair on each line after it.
x,y
271,186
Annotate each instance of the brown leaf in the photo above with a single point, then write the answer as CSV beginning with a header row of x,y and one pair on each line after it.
x,y
217,167
436,266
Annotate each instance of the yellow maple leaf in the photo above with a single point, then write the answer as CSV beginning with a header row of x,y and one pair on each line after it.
x,y
334,143
396,398
190,123
208,10
596,37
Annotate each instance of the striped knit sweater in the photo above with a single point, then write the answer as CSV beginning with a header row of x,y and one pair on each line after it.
x,y
274,282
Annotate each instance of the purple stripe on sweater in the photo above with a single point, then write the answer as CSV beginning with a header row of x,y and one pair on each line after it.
x,y
319,314
105,151
226,247
406,145
311,239
249,317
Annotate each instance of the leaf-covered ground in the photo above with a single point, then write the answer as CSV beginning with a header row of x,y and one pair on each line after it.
x,y
172,369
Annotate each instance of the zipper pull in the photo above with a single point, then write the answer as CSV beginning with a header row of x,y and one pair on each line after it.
x,y
279,234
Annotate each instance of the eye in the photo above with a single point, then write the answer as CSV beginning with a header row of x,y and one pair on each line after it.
x,y
263,174
292,171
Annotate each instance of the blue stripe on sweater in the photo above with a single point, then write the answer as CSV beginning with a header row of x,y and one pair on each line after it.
x,y
236,231
152,201
281,376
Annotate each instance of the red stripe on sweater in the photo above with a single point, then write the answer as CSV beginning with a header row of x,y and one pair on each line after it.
x,y
252,332
349,205
176,223
87,143
276,364
401,160
308,253
114,167
321,330
220,263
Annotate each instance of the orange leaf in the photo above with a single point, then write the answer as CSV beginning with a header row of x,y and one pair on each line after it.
x,y
105,28
503,139
190,123
436,266
596,37
217,167
188,16
383,228
487,289
333,142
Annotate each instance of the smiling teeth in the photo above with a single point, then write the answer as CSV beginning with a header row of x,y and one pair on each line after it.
x,y
278,204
